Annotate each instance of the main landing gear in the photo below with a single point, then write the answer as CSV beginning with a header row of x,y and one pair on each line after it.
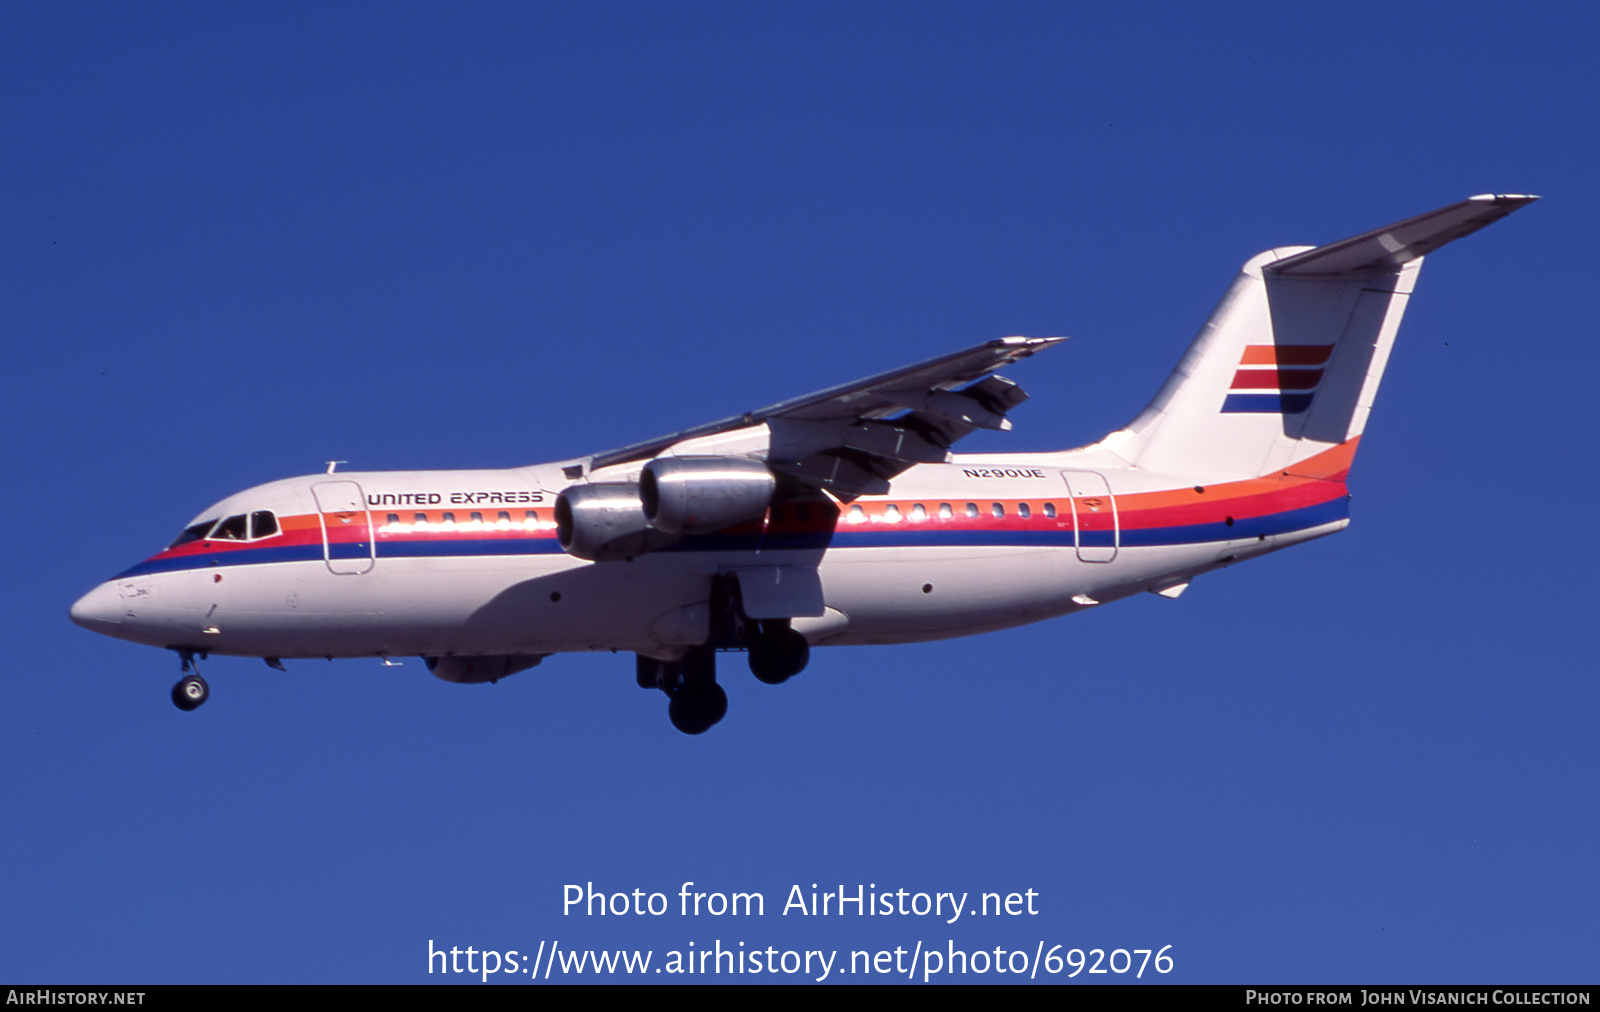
x,y
694,699
191,689
777,653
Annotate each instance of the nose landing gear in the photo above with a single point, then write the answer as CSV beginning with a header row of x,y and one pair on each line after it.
x,y
190,692
191,689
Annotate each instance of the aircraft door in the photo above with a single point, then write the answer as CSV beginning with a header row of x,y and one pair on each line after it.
x,y
1094,516
347,543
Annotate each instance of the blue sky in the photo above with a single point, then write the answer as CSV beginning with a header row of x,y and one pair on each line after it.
x,y
241,241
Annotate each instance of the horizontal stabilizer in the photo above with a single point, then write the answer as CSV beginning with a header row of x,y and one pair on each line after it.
x,y
1287,368
1388,247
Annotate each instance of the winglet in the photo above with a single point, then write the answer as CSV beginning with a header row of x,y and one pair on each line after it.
x,y
1388,247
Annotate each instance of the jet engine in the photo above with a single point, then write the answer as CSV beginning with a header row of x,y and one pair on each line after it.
x,y
698,495
605,522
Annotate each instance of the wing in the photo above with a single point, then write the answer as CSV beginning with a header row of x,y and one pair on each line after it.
x,y
851,439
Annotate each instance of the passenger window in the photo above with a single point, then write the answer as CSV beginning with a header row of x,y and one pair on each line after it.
x,y
476,517
530,519
1023,511
998,510
193,533
972,511
419,518
231,529
393,518
502,515
450,518
263,524
857,514
1050,510
919,512
945,512
891,514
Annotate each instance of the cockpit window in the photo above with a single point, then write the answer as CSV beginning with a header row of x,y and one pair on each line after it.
x,y
194,533
239,527
263,524
231,529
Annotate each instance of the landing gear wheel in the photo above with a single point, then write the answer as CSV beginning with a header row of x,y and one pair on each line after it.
x,y
695,706
647,670
778,656
190,692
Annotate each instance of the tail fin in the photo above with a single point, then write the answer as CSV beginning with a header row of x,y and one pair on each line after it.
x,y
1289,363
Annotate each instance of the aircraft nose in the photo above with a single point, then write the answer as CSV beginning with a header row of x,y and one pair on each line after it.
x,y
99,610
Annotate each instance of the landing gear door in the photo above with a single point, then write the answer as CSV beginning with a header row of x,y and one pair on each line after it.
x,y
1094,516
347,542
780,592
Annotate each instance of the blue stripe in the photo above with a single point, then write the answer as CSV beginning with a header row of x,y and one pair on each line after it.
x,y
239,557
846,536
907,534
1266,404
455,549
349,550
1245,527
755,542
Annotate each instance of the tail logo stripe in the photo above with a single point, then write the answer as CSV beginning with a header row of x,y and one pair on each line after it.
x,y
1266,404
1281,382
1276,379
1286,354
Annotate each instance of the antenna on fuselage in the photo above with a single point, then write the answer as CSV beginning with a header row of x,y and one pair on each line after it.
x,y
335,463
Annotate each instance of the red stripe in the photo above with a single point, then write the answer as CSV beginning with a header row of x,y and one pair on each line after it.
x,y
1203,510
1276,379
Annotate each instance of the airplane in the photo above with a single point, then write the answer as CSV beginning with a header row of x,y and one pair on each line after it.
x,y
838,518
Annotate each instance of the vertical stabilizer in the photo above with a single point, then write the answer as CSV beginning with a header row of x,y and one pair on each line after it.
x,y
1289,363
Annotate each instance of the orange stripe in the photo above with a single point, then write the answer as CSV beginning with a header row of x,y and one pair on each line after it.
x,y
1286,354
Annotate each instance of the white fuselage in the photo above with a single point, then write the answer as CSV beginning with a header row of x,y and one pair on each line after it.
x,y
466,562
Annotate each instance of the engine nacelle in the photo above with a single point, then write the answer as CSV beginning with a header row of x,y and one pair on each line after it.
x,y
605,522
698,495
